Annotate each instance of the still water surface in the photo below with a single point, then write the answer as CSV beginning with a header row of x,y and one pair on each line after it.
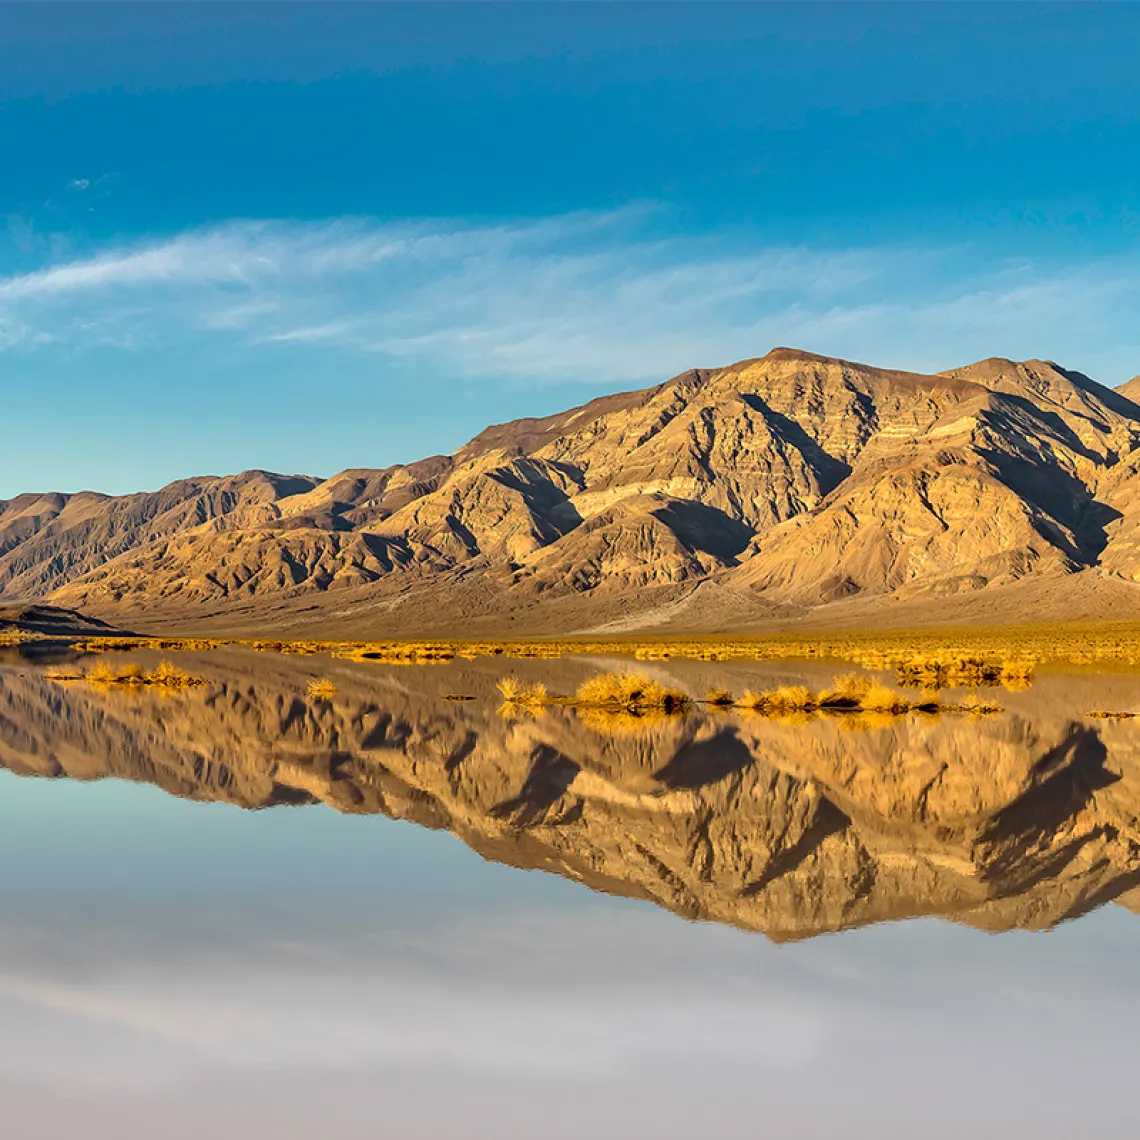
x,y
449,923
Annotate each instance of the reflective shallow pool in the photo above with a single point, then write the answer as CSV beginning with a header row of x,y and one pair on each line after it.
x,y
174,964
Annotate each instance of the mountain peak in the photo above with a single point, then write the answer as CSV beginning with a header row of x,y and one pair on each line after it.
x,y
1130,389
785,355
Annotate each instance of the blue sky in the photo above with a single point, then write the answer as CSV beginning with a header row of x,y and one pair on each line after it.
x,y
312,237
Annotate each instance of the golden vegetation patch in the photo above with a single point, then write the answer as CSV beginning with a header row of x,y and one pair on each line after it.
x,y
946,670
630,691
399,653
159,644
295,648
1104,714
609,695
636,695
18,637
165,675
853,694
719,698
516,692
321,689
927,658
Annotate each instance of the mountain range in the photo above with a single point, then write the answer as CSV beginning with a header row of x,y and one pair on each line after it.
x,y
792,488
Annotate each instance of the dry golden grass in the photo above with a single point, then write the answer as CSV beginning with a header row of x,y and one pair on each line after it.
x,y
169,644
321,689
967,656
652,652
852,694
610,702
946,669
787,698
104,673
170,676
165,675
1103,714
878,698
847,691
18,637
399,652
296,648
719,698
926,658
510,688
629,691
516,692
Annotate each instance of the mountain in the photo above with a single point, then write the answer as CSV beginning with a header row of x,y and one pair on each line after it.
x,y
1130,390
793,487
50,621
1022,820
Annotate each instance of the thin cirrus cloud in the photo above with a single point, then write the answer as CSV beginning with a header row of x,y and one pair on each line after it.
x,y
611,297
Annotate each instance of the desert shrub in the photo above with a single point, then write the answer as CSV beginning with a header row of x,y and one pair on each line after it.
x,y
846,692
126,644
630,691
510,687
165,675
849,694
879,698
104,673
927,701
398,653
943,669
719,697
790,698
516,692
321,689
751,700
170,676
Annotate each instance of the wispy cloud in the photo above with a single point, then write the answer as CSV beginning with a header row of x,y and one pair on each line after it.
x,y
609,296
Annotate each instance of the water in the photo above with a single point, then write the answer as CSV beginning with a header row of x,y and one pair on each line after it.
x,y
441,922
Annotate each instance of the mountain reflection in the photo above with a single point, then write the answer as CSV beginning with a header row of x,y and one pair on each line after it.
x,y
1021,820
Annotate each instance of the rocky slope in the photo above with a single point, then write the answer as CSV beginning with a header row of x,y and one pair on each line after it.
x,y
34,620
1022,820
757,492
